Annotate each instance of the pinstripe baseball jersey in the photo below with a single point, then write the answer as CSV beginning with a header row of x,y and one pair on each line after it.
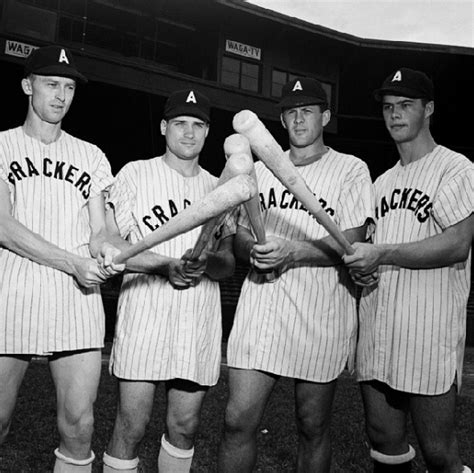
x,y
164,333
41,309
412,327
304,324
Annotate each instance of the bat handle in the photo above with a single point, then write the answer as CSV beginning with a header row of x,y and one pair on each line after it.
x,y
345,245
272,275
323,219
199,247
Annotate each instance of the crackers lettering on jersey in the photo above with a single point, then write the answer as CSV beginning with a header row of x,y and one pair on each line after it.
x,y
59,170
285,200
411,199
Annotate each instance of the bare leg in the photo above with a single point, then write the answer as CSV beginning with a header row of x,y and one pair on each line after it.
x,y
182,421
386,418
183,413
433,419
76,378
249,393
313,415
12,372
133,415
386,413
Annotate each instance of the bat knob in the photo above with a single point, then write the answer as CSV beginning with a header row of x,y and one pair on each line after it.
x,y
244,121
236,143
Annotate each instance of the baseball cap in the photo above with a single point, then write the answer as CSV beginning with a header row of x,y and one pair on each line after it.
x,y
52,61
406,83
304,91
187,102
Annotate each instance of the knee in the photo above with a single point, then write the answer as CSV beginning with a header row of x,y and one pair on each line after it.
x,y
183,423
440,455
240,421
132,426
76,424
311,425
383,436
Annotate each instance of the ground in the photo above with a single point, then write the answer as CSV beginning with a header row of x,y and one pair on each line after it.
x,y
33,436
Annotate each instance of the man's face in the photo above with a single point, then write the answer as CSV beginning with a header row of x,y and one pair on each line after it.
x,y
405,117
304,124
185,136
50,96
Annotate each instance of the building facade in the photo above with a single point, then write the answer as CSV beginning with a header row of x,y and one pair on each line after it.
x,y
135,53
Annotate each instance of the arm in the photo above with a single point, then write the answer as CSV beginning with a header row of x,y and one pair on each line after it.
x,y
279,253
22,241
99,236
449,247
147,262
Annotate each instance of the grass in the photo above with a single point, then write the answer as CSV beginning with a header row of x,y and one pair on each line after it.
x,y
33,436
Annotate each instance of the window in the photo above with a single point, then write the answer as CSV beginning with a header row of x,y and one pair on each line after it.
x,y
280,78
240,74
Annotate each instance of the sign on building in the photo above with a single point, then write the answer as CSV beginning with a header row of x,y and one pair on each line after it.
x,y
15,48
243,49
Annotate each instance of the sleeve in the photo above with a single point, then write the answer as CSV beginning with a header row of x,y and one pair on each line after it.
x,y
102,177
356,202
122,196
454,200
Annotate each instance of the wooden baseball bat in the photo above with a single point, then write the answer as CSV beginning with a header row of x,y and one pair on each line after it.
x,y
235,191
238,143
270,152
236,164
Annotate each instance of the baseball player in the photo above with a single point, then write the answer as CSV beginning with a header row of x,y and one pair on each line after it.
x,y
303,325
52,219
169,316
412,324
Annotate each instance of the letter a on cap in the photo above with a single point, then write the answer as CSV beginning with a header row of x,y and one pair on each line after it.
x,y
191,98
63,57
297,86
397,77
